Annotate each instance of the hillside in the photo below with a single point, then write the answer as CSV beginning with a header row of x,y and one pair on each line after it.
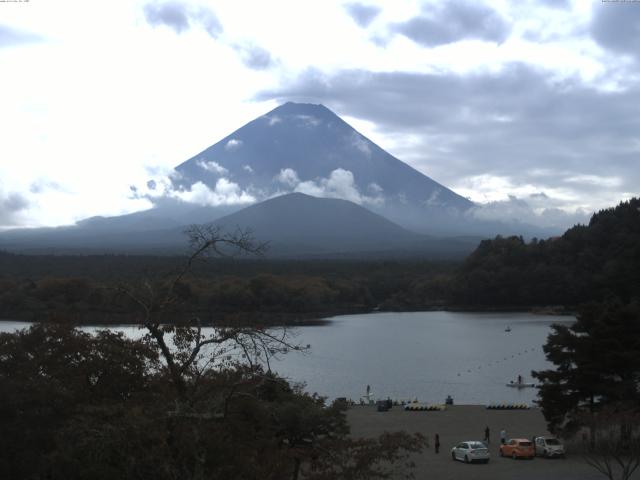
x,y
591,262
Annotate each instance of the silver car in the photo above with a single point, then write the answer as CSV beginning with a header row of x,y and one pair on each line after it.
x,y
471,451
549,447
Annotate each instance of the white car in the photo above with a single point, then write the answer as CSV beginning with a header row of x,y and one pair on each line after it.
x,y
471,451
549,447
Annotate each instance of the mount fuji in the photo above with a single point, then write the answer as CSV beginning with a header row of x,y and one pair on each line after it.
x,y
307,148
295,151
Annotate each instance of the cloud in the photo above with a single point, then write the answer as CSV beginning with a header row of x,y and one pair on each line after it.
x,y
272,119
168,186
41,186
517,210
616,26
233,144
213,167
308,120
11,205
288,176
360,143
449,22
433,199
375,188
247,168
339,184
225,192
536,132
255,57
10,37
362,14
559,4
181,17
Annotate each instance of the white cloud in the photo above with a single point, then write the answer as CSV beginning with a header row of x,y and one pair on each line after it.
x,y
308,120
233,144
272,119
595,180
518,210
288,176
433,201
359,142
224,193
375,188
339,184
213,167
247,168
166,185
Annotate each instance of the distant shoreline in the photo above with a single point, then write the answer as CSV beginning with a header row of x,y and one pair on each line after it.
x,y
323,318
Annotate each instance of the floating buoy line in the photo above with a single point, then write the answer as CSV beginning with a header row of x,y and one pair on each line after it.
x,y
498,362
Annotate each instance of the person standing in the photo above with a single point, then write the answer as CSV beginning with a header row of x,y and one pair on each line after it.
x,y
503,436
487,434
437,443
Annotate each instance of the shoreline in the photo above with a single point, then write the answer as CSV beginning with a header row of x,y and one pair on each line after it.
x,y
317,318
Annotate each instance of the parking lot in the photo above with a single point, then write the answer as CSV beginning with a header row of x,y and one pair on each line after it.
x,y
467,422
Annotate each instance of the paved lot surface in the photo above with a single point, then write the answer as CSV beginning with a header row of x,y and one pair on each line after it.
x,y
467,422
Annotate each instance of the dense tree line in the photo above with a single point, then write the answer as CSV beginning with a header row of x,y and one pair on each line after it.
x,y
65,288
598,261
589,262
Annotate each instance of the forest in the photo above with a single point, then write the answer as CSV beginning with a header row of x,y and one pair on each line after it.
x,y
598,261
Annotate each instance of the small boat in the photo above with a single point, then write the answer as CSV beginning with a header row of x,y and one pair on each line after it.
x,y
508,329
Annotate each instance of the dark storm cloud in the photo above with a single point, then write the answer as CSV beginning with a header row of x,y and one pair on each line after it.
x,y
616,26
255,57
515,124
363,15
449,22
10,205
181,17
10,37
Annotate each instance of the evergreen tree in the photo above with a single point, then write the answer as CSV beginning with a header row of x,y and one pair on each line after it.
x,y
597,365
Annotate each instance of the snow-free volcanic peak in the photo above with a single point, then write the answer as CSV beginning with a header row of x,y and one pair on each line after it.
x,y
308,148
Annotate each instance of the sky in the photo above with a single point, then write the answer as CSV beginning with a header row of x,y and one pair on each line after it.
x,y
530,107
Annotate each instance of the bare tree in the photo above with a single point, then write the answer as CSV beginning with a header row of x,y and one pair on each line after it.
x,y
614,447
284,432
187,351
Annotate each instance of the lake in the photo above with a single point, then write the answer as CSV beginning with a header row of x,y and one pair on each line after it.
x,y
423,355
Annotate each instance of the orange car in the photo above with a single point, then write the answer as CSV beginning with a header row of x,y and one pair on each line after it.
x,y
518,448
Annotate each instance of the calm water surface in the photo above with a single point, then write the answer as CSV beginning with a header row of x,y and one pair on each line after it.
x,y
423,355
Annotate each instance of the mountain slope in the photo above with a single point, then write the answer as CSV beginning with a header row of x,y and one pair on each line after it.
x,y
319,224
298,225
594,262
308,148
293,225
